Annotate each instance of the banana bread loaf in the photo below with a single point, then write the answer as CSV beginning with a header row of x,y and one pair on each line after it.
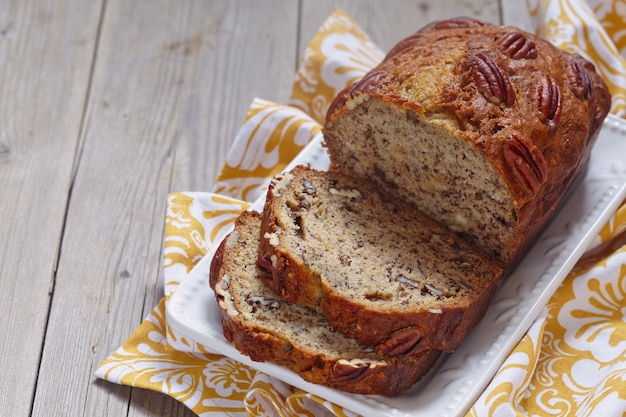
x,y
483,128
447,159
378,269
268,328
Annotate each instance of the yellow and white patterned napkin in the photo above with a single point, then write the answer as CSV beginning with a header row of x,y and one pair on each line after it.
x,y
571,362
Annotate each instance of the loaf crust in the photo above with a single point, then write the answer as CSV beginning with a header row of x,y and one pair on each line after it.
x,y
267,328
379,270
484,128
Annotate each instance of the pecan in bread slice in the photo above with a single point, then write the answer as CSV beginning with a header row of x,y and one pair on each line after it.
x,y
483,128
377,268
267,328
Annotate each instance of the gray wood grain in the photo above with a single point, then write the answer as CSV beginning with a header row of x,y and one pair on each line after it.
x,y
387,22
46,50
184,67
246,49
516,13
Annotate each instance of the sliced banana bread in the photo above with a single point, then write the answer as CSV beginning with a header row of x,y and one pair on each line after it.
x,y
268,328
378,269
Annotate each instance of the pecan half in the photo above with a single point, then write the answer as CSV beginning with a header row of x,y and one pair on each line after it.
x,y
579,79
352,370
516,45
549,102
407,341
491,81
526,161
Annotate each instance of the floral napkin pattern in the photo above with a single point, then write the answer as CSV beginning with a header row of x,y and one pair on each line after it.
x,y
570,362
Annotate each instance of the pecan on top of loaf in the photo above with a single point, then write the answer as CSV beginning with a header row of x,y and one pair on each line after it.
x,y
484,128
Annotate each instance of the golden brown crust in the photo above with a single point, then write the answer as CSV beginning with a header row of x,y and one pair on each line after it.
x,y
498,86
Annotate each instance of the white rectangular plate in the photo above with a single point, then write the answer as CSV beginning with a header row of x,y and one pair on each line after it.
x,y
452,387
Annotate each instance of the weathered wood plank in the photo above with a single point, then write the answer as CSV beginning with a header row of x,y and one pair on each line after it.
x,y
250,51
387,22
171,84
46,50
516,13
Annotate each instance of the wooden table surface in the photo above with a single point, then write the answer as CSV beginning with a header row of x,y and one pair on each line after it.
x,y
108,105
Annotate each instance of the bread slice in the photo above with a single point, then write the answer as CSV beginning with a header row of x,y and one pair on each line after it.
x,y
268,328
483,128
378,269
